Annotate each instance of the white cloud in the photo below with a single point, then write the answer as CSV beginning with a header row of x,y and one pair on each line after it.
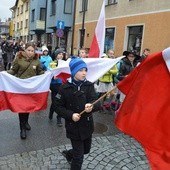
x,y
5,6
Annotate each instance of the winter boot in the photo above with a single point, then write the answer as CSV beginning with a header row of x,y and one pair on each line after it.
x,y
59,123
27,126
23,134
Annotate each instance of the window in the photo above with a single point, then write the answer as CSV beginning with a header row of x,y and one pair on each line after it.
x,y
135,39
53,7
68,6
83,5
14,27
17,25
21,24
110,2
17,11
42,14
21,9
26,23
33,15
26,9
109,39
13,14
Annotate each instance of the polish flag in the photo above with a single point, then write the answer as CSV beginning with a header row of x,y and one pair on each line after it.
x,y
97,46
145,111
24,95
97,67
30,95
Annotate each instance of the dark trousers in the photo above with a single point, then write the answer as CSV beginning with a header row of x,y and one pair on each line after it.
x,y
54,90
79,149
23,118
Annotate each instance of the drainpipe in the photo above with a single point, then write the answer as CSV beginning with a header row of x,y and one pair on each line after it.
x,y
73,27
46,21
82,29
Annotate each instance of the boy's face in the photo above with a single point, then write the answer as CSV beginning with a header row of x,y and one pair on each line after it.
x,y
81,74
82,54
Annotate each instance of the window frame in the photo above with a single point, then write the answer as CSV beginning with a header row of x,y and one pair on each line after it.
x,y
41,12
22,7
18,11
53,7
71,7
26,23
108,3
26,8
33,15
82,7
136,49
113,31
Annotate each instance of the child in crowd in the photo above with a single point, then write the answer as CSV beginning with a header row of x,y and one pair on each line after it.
x,y
77,95
83,53
26,65
105,84
45,59
55,85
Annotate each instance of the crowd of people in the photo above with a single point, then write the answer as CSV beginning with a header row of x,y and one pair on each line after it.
x,y
70,98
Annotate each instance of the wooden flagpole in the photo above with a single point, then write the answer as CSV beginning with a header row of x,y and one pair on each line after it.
x,y
100,99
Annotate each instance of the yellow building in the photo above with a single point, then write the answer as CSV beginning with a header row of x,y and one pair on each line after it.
x,y
130,24
20,18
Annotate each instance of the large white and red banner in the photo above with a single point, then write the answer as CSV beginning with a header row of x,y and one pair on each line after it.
x,y
30,95
24,95
145,111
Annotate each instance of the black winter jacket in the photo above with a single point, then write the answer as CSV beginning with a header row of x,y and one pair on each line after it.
x,y
125,68
70,100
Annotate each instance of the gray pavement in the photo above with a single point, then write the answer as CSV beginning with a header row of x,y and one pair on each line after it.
x,y
111,149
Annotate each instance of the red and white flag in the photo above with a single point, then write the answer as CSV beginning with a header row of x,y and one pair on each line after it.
x,y
24,95
30,95
97,46
145,111
97,67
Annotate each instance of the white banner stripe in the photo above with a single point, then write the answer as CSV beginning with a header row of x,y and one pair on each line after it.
x,y
166,56
97,67
34,84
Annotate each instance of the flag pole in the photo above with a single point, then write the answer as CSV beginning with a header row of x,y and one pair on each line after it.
x,y
100,98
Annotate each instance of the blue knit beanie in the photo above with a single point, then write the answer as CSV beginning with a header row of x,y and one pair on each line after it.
x,y
76,64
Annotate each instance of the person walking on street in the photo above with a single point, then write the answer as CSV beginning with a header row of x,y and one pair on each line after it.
x,y
55,85
26,65
74,96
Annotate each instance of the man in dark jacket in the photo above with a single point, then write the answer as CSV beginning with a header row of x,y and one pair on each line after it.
x,y
77,95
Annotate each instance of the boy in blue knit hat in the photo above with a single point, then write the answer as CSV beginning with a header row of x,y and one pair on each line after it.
x,y
77,95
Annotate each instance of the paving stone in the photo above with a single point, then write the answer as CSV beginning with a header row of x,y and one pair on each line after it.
x,y
111,153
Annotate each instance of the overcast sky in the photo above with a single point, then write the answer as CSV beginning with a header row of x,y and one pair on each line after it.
x,y
5,12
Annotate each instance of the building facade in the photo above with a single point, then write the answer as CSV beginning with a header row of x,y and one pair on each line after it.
x,y
20,19
130,24
59,23
51,22
37,20
4,30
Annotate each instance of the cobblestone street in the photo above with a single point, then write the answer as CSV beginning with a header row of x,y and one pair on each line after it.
x,y
111,149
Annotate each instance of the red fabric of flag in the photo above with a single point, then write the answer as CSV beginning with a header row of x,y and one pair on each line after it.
x,y
145,112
